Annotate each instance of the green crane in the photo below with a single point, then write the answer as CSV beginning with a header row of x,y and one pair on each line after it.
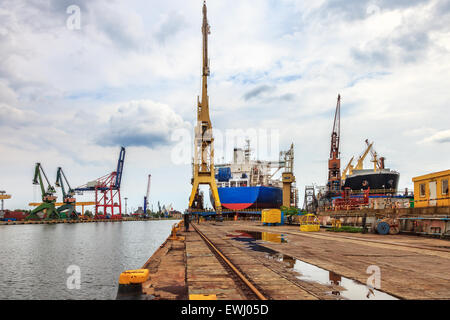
x,y
48,197
68,209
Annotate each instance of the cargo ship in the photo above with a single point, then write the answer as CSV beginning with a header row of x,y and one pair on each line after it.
x,y
379,179
249,184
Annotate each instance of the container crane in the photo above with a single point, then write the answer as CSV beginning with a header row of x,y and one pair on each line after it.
x,y
147,195
107,190
47,208
68,209
203,164
334,162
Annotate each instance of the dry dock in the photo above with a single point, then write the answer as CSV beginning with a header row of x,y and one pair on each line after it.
x,y
243,260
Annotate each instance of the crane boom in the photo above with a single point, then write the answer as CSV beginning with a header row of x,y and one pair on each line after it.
x,y
60,179
360,164
46,194
119,171
348,169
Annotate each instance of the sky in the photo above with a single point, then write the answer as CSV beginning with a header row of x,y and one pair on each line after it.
x,y
75,85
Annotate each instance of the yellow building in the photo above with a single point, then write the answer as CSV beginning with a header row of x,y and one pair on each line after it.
x,y
431,190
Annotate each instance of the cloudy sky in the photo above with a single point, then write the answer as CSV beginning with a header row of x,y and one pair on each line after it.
x,y
130,75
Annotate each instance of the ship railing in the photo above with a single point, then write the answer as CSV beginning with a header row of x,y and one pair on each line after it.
x,y
383,192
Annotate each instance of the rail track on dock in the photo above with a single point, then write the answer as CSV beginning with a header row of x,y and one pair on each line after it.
x,y
250,291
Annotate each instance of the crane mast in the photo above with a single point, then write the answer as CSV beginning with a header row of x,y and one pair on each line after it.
x,y
67,196
147,194
334,162
203,164
68,208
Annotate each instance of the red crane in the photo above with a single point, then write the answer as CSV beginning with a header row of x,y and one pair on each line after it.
x,y
334,162
107,191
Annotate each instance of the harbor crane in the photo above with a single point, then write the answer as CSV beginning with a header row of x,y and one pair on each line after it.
x,y
360,164
378,163
107,191
47,207
288,177
334,162
147,195
3,197
68,209
348,169
203,164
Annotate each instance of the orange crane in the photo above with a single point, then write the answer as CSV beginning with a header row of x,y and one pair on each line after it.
x,y
334,162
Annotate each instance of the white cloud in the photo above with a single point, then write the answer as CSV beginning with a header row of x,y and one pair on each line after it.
x,y
132,74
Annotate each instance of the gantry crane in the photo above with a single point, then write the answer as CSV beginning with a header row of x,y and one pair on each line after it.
x,y
48,198
334,162
203,164
147,195
68,209
107,190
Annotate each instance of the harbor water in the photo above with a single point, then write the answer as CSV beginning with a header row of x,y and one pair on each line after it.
x,y
45,261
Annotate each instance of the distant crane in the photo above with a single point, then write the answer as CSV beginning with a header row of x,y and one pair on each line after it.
x,y
3,197
288,177
47,207
310,202
68,209
334,162
147,195
107,190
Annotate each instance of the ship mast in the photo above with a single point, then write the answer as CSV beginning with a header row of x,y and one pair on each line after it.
x,y
203,165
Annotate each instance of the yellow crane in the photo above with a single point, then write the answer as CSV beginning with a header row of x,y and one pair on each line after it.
x,y
378,163
288,177
360,164
348,168
3,197
203,164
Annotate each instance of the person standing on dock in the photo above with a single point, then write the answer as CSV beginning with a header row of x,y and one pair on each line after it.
x,y
186,222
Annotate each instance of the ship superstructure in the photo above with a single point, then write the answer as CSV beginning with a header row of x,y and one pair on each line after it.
x,y
251,184
245,172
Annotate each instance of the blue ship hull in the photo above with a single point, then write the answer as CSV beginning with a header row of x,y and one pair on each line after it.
x,y
240,198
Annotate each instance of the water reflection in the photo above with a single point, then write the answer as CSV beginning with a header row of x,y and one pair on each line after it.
x,y
340,286
258,235
34,258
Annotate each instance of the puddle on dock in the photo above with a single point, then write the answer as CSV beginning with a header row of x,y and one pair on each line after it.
x,y
341,286
245,235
